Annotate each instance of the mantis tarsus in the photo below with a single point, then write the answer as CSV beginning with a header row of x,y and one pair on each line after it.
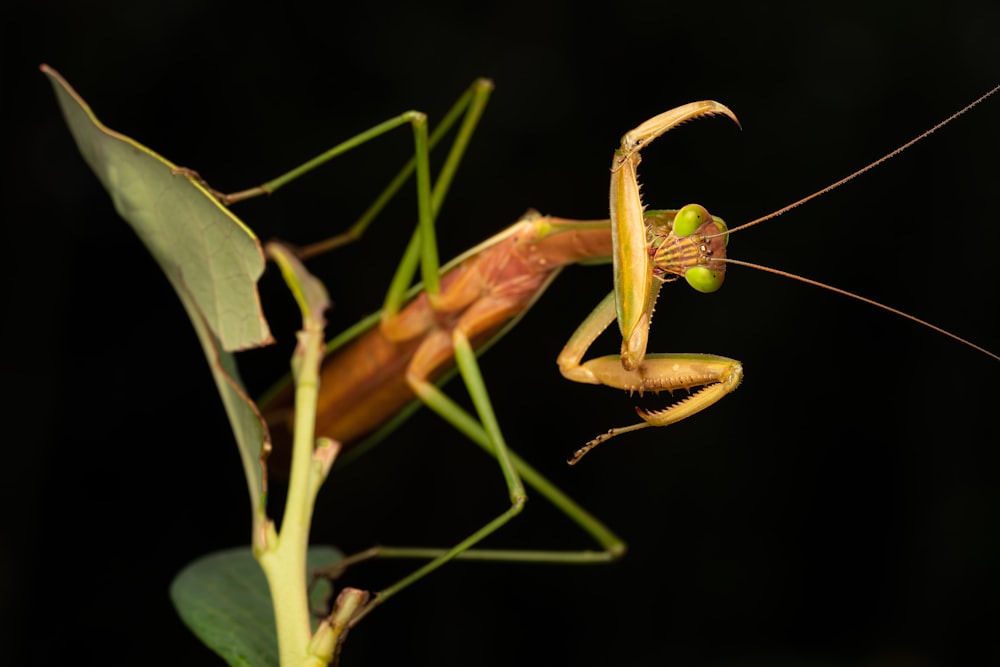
x,y
379,366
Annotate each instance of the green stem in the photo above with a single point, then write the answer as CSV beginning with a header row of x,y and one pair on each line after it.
x,y
284,555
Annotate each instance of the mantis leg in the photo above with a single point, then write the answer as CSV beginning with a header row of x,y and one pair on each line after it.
x,y
712,376
422,247
469,108
484,430
483,427
649,249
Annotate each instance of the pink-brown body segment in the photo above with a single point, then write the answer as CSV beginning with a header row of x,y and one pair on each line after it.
x,y
364,384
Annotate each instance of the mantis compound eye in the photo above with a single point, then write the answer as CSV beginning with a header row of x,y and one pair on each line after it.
x,y
690,218
695,219
704,279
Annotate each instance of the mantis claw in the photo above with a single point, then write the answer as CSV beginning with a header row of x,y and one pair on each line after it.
x,y
707,394
712,377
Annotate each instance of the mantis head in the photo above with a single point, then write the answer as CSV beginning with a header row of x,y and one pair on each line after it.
x,y
688,243
691,246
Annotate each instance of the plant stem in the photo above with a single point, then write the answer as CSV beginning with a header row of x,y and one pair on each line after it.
x,y
283,556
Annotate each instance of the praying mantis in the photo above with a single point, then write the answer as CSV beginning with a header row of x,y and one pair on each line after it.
x,y
398,356
425,329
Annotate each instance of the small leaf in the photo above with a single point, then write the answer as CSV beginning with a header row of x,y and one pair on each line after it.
x,y
223,598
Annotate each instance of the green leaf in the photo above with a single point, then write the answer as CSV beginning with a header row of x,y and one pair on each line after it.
x,y
201,246
223,598
210,257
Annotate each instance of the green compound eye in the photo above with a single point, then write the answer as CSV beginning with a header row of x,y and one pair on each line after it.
x,y
704,279
689,219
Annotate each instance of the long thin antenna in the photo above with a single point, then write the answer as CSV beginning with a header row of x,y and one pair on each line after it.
x,y
858,297
874,164
872,302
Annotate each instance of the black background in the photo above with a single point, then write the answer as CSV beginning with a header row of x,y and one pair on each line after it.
x,y
839,509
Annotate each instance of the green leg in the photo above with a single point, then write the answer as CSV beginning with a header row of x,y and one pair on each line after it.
x,y
484,430
469,108
486,433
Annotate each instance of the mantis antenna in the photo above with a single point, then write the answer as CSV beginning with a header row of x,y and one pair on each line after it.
x,y
837,184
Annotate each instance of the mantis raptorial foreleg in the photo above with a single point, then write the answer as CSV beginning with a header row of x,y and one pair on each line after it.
x,y
654,247
713,376
636,275
650,249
